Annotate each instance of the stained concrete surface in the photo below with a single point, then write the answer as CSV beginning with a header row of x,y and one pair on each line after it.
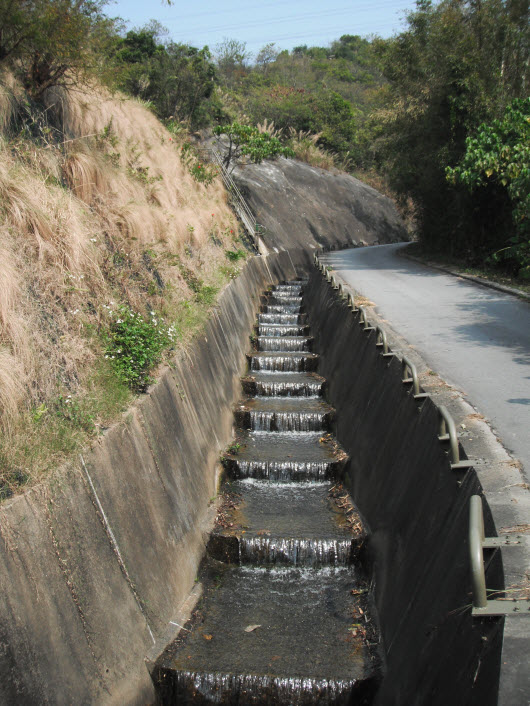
x,y
303,206
417,513
475,338
96,562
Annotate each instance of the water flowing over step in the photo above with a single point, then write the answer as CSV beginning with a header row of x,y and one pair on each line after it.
x,y
284,617
287,414
282,330
283,362
298,523
274,384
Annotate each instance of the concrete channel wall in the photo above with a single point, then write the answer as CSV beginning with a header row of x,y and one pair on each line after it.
x,y
96,562
416,510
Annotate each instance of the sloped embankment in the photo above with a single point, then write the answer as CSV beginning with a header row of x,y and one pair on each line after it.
x,y
303,206
95,564
98,211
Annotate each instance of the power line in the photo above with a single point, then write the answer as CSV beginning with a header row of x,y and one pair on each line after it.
x,y
336,31
279,20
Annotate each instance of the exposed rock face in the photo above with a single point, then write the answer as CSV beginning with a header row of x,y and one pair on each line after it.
x,y
303,206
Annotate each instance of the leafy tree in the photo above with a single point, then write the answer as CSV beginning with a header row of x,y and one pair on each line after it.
x,y
447,74
232,60
248,140
498,158
53,42
267,55
179,80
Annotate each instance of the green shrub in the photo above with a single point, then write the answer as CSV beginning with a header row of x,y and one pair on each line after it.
x,y
134,345
235,255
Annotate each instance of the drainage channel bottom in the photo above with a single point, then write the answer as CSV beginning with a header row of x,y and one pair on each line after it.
x,y
285,617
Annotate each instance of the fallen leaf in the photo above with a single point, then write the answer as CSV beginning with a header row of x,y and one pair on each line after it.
x,y
207,637
251,628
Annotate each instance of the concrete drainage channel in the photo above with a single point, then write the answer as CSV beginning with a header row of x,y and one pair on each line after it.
x,y
285,616
77,626
413,486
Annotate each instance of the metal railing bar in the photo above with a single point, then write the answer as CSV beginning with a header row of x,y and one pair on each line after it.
x,y
477,543
447,432
363,320
476,537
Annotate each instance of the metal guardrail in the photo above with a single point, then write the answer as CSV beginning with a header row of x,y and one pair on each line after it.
x,y
477,543
447,432
407,365
238,202
363,320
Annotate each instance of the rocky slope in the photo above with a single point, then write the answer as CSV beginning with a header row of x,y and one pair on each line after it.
x,y
303,206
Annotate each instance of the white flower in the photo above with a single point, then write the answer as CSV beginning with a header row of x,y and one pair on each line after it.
x,y
119,321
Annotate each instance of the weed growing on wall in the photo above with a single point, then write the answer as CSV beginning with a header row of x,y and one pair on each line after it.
x,y
134,345
235,255
201,172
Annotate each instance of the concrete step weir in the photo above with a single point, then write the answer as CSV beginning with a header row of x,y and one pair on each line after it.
x,y
99,565
287,547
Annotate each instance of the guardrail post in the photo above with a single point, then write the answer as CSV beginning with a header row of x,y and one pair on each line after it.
x,y
476,539
381,341
363,320
447,432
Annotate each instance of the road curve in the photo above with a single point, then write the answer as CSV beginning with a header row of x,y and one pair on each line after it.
x,y
475,338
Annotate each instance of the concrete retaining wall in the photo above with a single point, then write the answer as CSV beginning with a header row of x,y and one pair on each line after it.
x,y
416,510
95,563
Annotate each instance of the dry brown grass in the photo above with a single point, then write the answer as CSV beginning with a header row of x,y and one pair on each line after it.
x,y
305,148
110,215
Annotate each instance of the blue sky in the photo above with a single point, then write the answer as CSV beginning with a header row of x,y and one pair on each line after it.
x,y
311,22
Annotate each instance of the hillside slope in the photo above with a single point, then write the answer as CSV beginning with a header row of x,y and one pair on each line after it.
x,y
303,206
103,212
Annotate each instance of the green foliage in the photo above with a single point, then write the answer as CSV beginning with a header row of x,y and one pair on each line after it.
x,y
200,171
498,156
134,345
457,65
248,140
327,91
75,411
54,42
177,79
235,255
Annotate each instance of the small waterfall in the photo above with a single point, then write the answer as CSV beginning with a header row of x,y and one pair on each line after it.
x,y
280,330
284,300
274,388
287,421
278,318
284,343
216,688
278,622
287,292
296,362
304,552
282,470
280,308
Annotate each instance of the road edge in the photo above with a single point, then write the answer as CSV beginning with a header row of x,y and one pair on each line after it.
x,y
504,485
402,252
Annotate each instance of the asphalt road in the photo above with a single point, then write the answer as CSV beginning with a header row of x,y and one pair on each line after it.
x,y
475,338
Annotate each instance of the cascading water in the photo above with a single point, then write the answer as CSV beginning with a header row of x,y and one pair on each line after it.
x,y
284,614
